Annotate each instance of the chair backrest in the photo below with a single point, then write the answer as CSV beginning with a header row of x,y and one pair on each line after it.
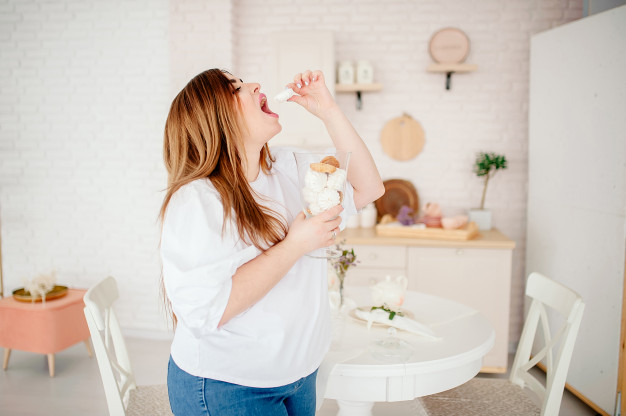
x,y
546,293
108,342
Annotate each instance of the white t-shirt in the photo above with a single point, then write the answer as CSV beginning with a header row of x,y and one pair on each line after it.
x,y
278,340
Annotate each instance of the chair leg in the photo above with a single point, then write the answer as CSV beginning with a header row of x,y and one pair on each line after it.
x,y
88,347
51,364
5,362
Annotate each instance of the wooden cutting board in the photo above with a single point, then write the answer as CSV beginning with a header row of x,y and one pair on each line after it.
x,y
468,232
402,138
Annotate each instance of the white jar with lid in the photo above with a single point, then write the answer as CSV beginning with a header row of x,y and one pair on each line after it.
x,y
368,216
364,72
345,72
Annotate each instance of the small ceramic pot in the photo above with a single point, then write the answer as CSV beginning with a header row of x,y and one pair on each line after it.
x,y
364,72
368,216
481,217
345,72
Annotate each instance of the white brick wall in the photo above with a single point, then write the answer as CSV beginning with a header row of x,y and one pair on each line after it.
x,y
201,37
84,91
85,87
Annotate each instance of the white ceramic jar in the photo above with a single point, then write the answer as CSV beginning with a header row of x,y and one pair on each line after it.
x,y
364,72
345,72
368,216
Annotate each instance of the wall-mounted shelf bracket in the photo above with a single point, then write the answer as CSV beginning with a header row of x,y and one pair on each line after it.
x,y
359,102
358,89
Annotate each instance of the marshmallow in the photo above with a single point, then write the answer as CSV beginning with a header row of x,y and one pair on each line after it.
x,y
315,181
314,208
285,95
328,198
322,190
309,195
337,179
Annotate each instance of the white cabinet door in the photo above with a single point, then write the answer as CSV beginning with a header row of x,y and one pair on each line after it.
x,y
294,52
376,262
478,278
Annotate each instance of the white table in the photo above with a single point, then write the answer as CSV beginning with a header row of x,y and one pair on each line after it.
x,y
435,366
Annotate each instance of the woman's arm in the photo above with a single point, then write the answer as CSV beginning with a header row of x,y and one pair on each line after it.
x,y
256,278
206,282
316,98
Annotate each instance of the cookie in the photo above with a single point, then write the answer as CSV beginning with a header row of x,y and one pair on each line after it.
x,y
323,167
387,218
331,160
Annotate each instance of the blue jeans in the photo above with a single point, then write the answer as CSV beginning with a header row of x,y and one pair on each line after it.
x,y
194,396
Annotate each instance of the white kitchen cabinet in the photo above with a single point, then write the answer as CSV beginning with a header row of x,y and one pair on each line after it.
x,y
479,278
476,273
375,262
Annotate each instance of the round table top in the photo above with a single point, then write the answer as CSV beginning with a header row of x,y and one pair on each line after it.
x,y
465,336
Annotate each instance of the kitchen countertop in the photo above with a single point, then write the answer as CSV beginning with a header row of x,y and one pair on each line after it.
x,y
367,236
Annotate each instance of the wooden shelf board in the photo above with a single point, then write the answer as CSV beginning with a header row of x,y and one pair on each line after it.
x,y
358,87
452,67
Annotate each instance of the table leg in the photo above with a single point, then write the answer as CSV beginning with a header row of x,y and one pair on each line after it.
x,y
88,347
5,362
51,364
350,408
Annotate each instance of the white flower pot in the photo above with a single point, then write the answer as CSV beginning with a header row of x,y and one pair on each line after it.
x,y
482,218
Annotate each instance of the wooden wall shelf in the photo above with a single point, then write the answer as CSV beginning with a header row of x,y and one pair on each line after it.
x,y
358,88
449,69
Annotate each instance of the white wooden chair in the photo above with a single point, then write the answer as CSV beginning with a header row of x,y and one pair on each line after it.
x,y
123,396
488,396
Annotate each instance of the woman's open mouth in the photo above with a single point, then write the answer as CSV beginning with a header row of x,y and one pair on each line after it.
x,y
264,107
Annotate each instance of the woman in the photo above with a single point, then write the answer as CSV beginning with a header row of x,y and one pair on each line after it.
x,y
252,311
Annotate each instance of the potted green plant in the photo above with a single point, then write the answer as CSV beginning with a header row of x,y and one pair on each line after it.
x,y
485,166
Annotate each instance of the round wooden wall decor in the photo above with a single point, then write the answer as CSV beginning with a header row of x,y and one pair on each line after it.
x,y
402,138
449,46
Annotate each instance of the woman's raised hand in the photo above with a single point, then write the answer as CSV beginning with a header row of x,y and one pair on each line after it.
x,y
313,93
308,234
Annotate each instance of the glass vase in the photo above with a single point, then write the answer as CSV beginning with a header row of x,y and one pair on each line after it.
x,y
341,276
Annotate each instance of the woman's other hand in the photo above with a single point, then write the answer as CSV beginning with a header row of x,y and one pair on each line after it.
x,y
313,93
308,234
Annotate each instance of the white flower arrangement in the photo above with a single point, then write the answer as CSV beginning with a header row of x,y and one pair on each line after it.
x,y
39,286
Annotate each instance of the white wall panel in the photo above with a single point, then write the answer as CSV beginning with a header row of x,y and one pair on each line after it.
x,y
577,184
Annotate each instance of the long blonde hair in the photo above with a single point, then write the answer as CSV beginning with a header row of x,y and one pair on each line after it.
x,y
204,139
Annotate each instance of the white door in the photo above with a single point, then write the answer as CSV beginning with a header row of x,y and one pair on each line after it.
x,y
294,52
577,184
